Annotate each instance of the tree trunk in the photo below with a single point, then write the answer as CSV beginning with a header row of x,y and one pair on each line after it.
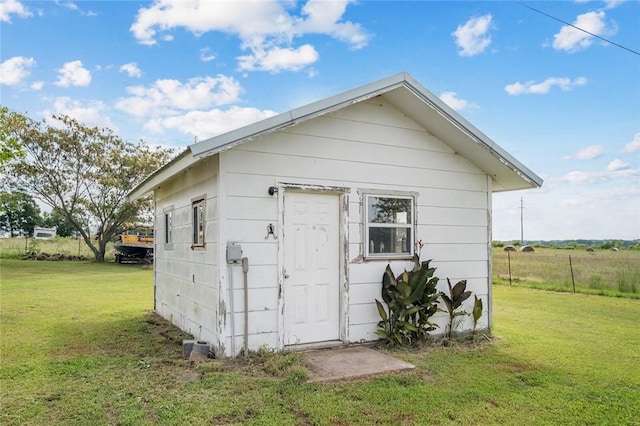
x,y
102,250
87,240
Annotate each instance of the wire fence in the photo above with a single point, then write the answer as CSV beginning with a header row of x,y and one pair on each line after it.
x,y
599,271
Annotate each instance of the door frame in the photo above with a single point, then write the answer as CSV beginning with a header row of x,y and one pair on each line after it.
x,y
342,193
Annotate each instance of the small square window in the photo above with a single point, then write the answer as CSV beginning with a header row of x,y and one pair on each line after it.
x,y
198,210
389,227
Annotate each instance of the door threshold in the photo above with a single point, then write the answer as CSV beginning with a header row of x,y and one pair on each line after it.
x,y
315,345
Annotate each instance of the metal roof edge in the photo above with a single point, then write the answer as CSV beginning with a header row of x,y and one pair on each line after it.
x,y
298,115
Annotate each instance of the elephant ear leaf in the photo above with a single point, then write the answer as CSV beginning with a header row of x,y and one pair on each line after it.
x,y
418,292
447,301
381,311
458,289
477,308
411,299
458,294
389,285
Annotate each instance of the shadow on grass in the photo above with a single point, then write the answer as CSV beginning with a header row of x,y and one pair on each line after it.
x,y
147,335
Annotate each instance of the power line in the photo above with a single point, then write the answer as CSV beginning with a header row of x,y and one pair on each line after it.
x,y
577,28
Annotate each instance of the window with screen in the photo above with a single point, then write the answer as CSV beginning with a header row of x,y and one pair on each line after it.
x,y
389,227
198,215
168,227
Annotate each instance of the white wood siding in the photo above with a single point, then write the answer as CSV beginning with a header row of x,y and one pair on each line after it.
x,y
186,280
368,146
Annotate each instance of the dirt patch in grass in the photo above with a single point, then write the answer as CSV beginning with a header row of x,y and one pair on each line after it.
x,y
164,329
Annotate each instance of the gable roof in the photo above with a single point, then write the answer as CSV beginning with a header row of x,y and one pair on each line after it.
x,y
406,94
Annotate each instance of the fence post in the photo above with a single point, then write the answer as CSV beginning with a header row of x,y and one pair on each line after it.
x,y
509,257
572,279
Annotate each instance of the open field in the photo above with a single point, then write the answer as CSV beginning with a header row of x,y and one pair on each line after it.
x,y
601,272
12,248
79,346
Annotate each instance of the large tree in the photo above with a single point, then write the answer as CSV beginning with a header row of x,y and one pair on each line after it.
x,y
19,213
84,173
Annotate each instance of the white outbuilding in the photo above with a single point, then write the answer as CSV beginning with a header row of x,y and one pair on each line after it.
x,y
277,234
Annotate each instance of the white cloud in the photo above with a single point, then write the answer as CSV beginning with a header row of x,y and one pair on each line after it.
x,y
634,145
617,165
67,4
265,27
206,55
572,40
12,7
531,87
323,17
206,124
456,103
37,85
131,69
14,70
277,59
73,6
90,114
589,177
73,74
472,38
168,96
610,4
603,211
587,153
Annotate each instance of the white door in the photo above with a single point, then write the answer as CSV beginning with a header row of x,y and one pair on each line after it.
x,y
311,268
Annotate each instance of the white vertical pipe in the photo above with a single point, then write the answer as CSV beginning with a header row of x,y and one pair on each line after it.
x,y
233,312
245,270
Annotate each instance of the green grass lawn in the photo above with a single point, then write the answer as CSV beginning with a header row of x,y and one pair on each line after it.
x,y
79,346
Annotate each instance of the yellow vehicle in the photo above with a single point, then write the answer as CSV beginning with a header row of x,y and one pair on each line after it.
x,y
135,244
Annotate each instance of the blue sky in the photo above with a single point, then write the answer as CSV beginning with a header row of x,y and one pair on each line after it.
x,y
566,104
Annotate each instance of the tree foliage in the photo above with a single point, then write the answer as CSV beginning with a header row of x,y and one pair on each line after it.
x,y
19,213
55,219
83,173
10,144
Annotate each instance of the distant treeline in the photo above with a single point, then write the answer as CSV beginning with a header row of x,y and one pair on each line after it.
x,y
569,244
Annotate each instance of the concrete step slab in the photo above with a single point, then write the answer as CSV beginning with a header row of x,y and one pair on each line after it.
x,y
350,362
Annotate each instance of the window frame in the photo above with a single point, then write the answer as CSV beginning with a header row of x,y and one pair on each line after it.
x,y
367,225
198,214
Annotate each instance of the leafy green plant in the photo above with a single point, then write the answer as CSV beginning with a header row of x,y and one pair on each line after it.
x,y
477,312
411,300
454,301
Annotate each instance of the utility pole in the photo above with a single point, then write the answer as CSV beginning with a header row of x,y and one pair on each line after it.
x,y
521,222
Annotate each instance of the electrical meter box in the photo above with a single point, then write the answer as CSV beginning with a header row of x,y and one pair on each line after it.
x,y
234,252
